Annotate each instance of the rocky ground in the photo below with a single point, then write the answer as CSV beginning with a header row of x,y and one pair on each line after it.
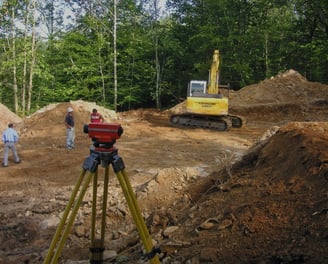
x,y
252,195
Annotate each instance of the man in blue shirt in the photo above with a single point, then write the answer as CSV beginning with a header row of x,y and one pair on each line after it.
x,y
9,138
70,132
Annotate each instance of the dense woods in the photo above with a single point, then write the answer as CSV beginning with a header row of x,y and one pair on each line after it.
x,y
131,54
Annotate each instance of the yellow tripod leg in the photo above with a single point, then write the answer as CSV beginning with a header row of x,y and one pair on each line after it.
x,y
104,205
97,245
94,207
63,219
148,240
71,219
136,214
129,195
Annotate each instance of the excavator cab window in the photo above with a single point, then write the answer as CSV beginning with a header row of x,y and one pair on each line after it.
x,y
197,88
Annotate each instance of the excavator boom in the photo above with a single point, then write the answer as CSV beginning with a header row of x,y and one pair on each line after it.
x,y
213,79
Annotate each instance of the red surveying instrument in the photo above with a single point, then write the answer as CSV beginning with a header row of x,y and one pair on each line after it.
x,y
103,136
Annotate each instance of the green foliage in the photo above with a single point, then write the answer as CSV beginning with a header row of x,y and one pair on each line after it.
x,y
256,39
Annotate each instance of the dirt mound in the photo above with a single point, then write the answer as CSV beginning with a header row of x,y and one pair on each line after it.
x,y
286,88
287,96
271,209
49,120
7,117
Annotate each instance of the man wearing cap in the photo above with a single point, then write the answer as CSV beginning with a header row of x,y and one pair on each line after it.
x,y
9,138
70,132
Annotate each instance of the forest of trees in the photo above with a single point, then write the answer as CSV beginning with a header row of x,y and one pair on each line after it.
x,y
128,54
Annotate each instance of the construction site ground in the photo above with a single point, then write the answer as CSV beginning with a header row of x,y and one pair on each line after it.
x,y
258,194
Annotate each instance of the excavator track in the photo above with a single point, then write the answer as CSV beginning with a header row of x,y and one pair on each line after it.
x,y
220,123
237,121
201,121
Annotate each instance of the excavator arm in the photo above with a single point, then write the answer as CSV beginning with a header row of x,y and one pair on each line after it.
x,y
213,79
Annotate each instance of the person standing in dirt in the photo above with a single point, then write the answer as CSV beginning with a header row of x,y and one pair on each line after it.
x,y
70,132
96,117
10,138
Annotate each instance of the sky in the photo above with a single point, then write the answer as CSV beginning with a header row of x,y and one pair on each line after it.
x,y
43,31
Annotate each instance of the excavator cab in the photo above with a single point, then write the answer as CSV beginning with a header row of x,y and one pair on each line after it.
x,y
197,88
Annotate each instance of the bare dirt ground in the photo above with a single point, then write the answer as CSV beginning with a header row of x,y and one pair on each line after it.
x,y
252,195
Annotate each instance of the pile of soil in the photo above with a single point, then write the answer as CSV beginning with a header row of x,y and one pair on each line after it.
x,y
8,117
270,208
285,97
252,195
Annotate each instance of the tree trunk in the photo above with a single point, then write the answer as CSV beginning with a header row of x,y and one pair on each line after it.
x,y
23,89
157,63
115,57
33,57
158,72
267,71
14,61
101,72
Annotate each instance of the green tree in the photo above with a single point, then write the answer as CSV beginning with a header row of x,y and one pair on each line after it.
x,y
140,58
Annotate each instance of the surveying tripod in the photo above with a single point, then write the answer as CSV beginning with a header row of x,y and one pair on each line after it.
x,y
105,157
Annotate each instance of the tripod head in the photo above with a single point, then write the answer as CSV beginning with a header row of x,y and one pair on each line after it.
x,y
103,135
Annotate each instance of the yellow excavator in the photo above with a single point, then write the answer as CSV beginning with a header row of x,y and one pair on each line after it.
x,y
206,106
